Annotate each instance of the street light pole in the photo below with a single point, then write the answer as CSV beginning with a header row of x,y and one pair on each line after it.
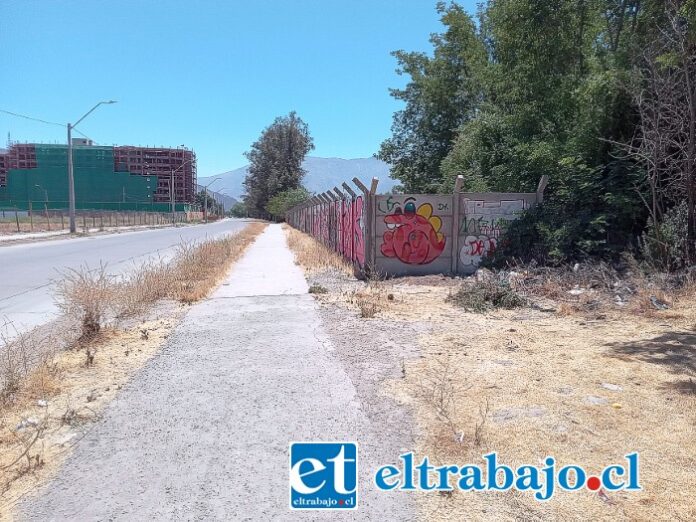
x,y
45,198
205,199
71,175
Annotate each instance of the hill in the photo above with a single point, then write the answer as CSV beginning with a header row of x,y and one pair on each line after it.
x,y
322,174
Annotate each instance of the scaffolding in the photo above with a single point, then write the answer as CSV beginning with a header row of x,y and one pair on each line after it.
x,y
158,175
19,156
177,166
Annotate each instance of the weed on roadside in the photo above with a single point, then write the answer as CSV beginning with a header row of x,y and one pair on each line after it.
x,y
481,296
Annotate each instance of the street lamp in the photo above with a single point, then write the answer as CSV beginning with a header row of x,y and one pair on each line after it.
x,y
171,180
45,198
71,177
205,199
222,199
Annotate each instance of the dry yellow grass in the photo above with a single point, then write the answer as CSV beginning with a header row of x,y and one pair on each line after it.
x,y
93,297
197,269
548,383
312,255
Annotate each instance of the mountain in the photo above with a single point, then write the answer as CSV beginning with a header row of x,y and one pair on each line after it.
x,y
219,196
322,174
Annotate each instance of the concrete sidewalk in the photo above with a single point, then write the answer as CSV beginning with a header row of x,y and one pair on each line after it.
x,y
202,432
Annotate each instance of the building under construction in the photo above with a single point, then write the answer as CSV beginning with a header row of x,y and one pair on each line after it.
x,y
114,178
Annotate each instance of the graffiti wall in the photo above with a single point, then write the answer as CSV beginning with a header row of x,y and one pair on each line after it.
x,y
483,218
411,234
337,222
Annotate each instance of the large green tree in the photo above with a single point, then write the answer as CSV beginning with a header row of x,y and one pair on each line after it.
x,y
540,88
442,94
275,162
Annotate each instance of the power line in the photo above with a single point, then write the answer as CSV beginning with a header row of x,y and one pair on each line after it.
x,y
33,119
45,121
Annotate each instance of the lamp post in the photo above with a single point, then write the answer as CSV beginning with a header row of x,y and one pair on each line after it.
x,y
71,176
184,162
45,199
205,199
222,199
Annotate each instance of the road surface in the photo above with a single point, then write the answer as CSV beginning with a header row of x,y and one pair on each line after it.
x,y
28,271
202,432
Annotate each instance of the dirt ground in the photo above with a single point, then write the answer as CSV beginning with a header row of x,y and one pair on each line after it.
x,y
585,387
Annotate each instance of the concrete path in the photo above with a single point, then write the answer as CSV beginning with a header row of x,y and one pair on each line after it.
x,y
202,432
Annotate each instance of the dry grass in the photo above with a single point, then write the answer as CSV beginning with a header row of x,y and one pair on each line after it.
x,y
480,296
576,373
529,384
87,294
198,268
312,255
95,298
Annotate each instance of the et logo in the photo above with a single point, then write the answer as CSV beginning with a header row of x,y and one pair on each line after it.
x,y
323,475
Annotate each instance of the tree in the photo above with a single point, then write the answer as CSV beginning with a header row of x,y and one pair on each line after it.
x,y
238,210
664,145
213,206
276,162
441,95
279,204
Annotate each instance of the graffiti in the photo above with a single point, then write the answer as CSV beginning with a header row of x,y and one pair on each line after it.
x,y
357,227
476,248
413,235
481,225
387,205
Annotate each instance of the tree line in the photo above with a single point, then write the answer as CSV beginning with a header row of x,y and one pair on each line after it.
x,y
598,94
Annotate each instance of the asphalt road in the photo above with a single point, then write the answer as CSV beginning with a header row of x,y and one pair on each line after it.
x,y
28,271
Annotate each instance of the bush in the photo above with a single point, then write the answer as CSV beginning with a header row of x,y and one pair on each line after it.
x,y
279,204
481,296
665,245
238,210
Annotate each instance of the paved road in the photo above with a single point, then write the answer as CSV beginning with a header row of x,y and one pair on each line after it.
x,y
202,432
27,271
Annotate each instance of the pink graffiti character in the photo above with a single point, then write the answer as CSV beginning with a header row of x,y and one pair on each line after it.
x,y
413,236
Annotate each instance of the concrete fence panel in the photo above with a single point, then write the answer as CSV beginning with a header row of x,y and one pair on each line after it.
x,y
411,234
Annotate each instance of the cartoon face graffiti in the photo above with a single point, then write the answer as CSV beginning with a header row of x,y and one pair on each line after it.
x,y
413,235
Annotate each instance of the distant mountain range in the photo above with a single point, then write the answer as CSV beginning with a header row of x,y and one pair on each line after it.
x,y
322,174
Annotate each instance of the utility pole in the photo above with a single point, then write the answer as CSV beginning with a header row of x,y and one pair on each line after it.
x,y
205,199
171,197
71,175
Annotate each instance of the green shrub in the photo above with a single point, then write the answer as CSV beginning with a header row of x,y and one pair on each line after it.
x,y
665,245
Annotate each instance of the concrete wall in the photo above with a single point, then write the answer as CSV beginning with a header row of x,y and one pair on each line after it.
x,y
411,234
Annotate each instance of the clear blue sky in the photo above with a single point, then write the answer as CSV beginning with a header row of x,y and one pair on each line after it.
x,y
208,74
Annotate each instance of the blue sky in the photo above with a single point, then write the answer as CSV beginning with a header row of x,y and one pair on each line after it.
x,y
208,74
